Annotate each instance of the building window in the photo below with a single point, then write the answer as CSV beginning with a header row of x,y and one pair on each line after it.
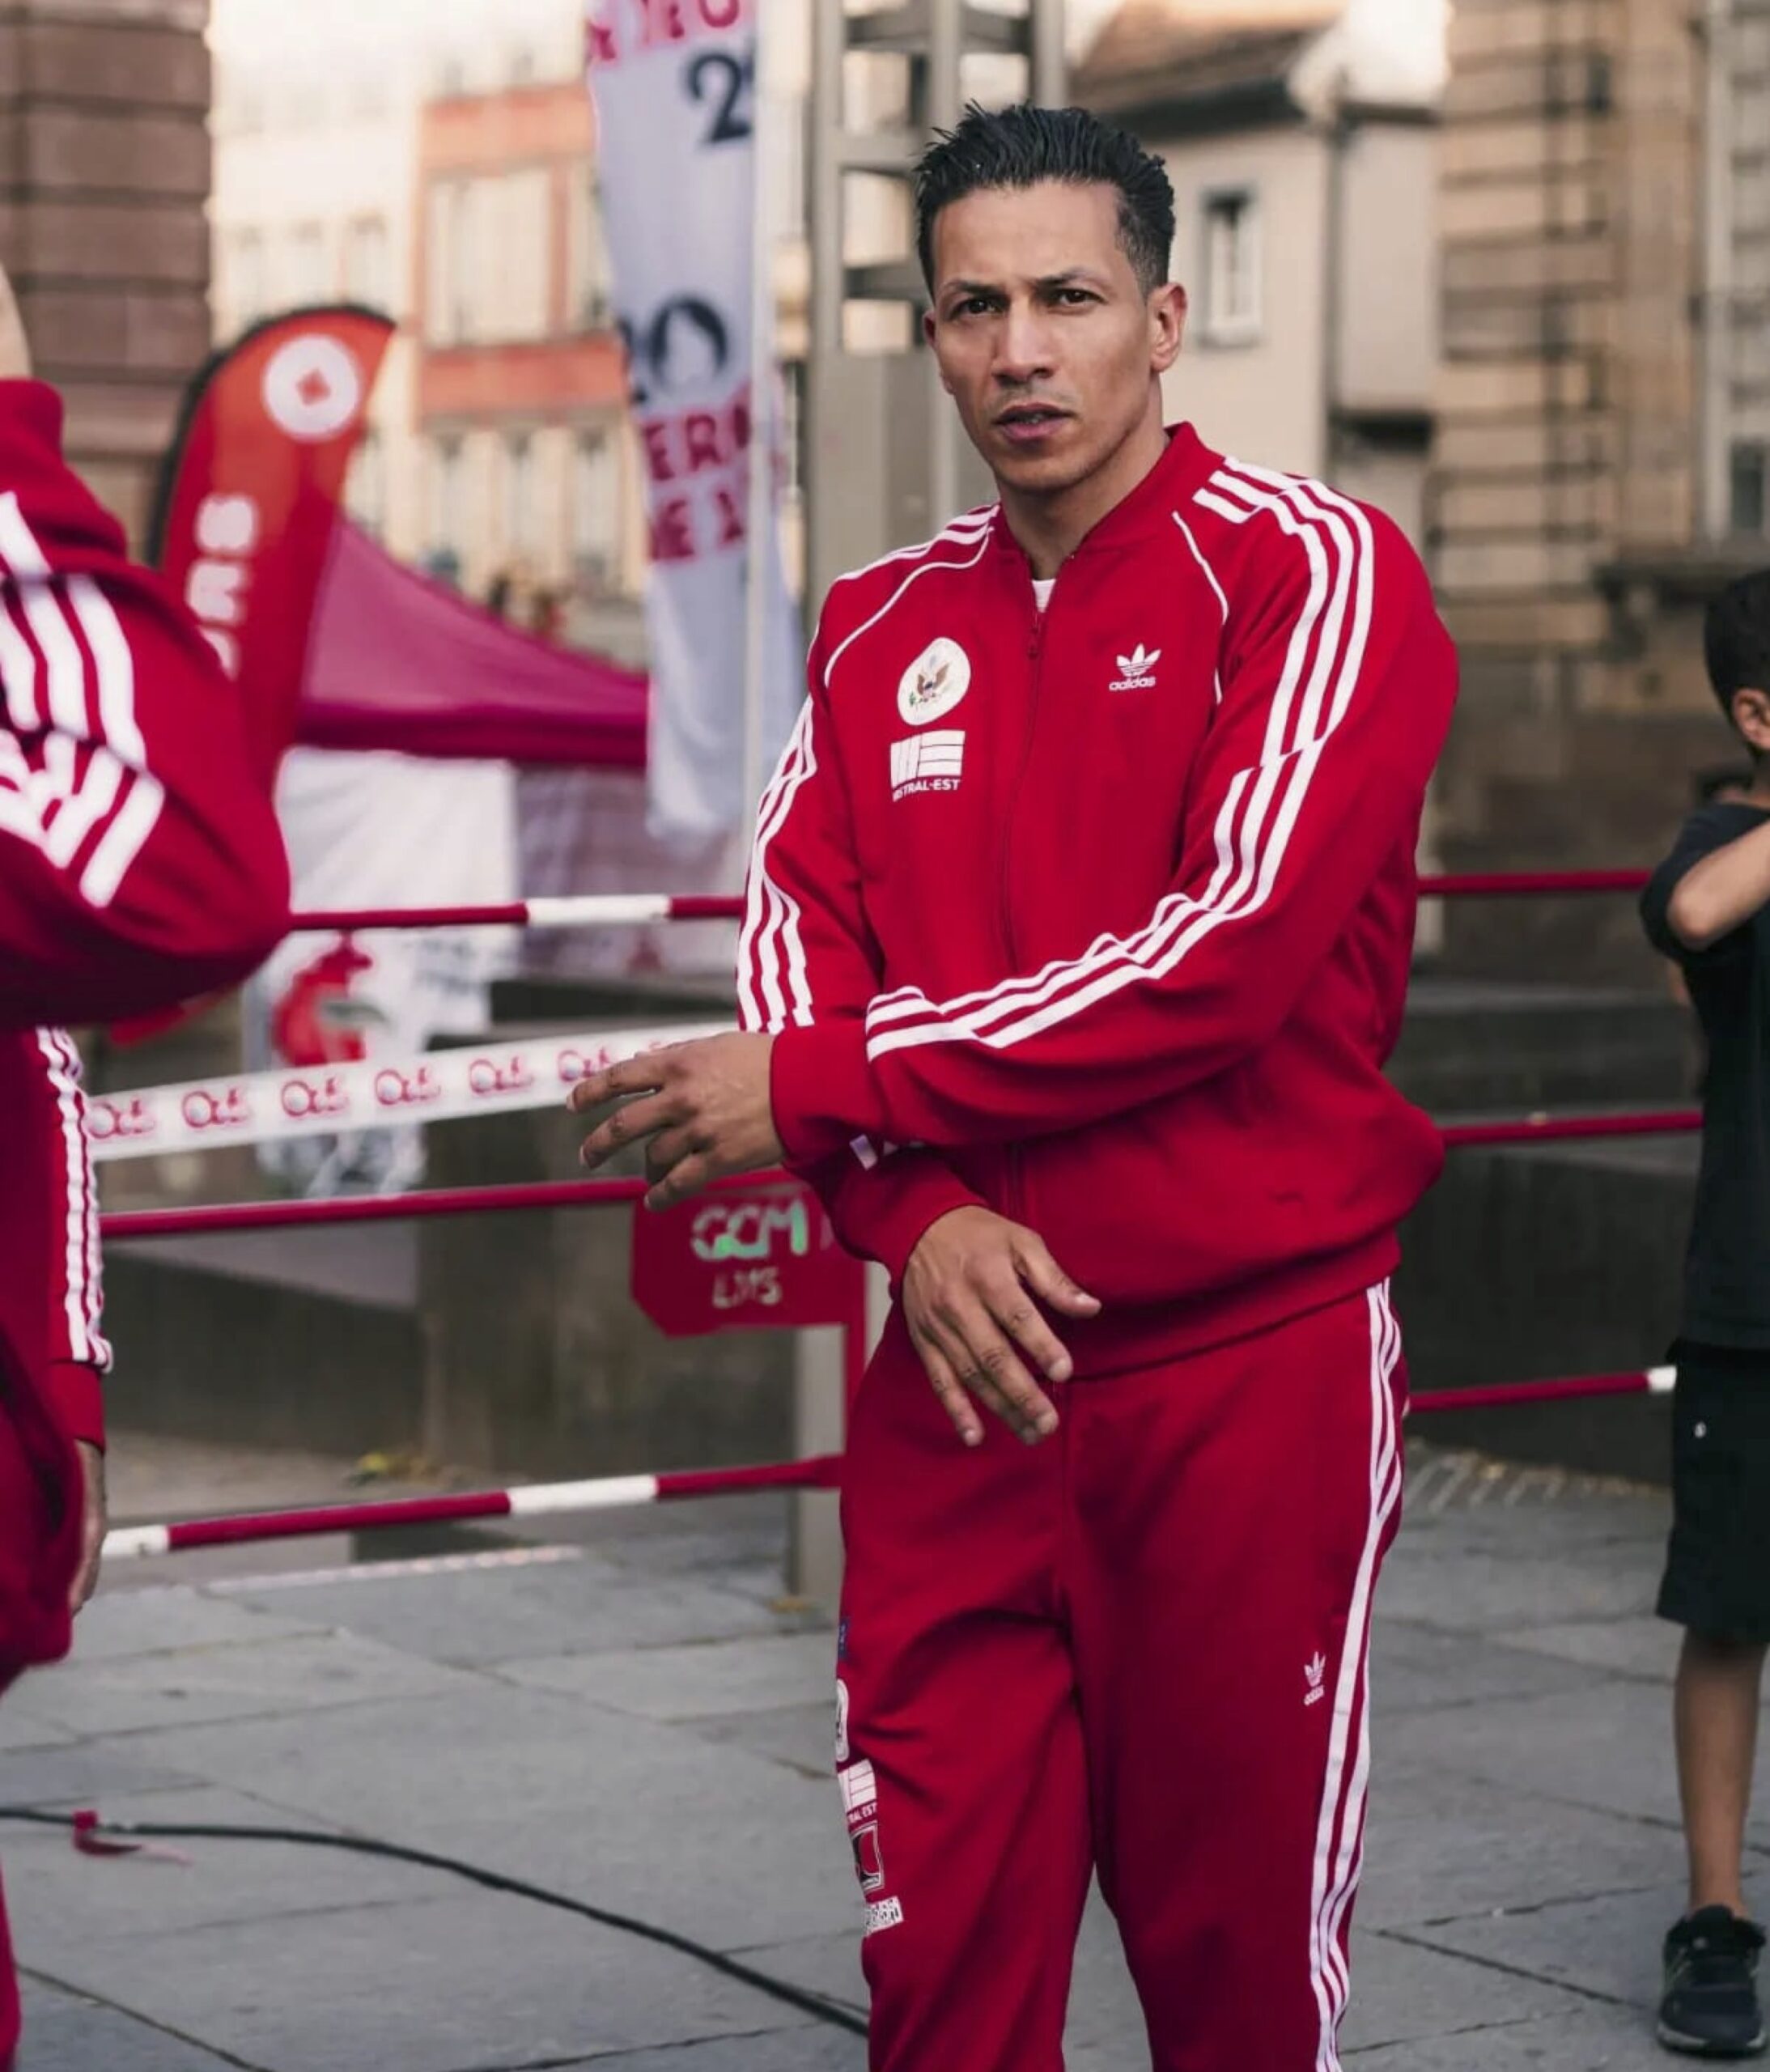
x,y
447,263
366,487
449,498
517,272
1231,266
246,277
520,512
368,276
596,512
487,250
308,282
587,287
1748,507
791,440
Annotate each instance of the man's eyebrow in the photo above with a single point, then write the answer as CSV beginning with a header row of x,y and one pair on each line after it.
x,y
1070,276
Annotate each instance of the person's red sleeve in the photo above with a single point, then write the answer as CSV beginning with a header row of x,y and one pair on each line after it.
x,y
806,961
1338,686
78,1355
140,861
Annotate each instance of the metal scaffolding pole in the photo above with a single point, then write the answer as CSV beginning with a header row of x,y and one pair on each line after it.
x,y
886,461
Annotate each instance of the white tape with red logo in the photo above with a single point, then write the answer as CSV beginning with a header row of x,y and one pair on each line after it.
x,y
263,1107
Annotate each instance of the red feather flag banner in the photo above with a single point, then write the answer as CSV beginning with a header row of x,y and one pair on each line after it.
x,y
252,494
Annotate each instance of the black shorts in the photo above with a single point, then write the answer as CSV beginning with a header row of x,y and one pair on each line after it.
x,y
1717,1567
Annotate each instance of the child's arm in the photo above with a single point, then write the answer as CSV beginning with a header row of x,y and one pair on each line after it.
x,y
1722,891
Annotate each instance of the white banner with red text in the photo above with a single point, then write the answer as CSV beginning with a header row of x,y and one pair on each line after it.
x,y
269,1107
675,90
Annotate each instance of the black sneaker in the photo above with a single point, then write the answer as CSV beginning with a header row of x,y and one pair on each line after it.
x,y
1710,2006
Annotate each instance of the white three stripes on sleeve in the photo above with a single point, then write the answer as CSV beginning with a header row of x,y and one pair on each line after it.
x,y
773,981
88,780
1321,672
82,1301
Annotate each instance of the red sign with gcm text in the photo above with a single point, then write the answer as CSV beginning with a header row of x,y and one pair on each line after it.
x,y
761,1257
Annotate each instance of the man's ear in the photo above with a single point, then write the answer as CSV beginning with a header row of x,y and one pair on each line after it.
x,y
1750,711
1167,325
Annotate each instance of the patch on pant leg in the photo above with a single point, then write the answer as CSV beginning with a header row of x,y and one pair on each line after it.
x,y
841,1722
860,1804
869,1865
1314,1680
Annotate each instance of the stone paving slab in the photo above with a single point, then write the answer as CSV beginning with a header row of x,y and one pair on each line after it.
x,y
499,1615
1442,1847
692,1682
800,1737
1469,1589
1640,1647
1596,2039
797,2050
1607,1746
197,1686
1594,1944
64,1896
121,1624
65,2032
546,1787
461,1983
1417,1669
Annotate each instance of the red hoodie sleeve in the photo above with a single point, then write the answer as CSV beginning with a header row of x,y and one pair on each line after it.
x,y
805,961
78,1356
1338,685
140,861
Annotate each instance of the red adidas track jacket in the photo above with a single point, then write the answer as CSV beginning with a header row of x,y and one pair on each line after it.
x,y
140,865
1102,915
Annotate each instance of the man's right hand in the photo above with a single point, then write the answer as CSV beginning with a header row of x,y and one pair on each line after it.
x,y
968,1300
15,352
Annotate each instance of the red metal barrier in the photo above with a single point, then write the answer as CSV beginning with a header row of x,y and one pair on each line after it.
x,y
626,909
1546,1129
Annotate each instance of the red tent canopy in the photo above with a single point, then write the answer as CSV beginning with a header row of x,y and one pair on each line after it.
x,y
397,662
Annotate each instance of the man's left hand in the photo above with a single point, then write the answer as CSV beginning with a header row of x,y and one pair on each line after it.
x,y
95,1516
701,1108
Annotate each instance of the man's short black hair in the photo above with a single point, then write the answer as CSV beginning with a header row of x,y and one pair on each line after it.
x,y
1020,146
1736,638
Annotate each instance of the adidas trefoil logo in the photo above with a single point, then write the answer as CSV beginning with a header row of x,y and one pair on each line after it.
x,y
1136,670
1313,1675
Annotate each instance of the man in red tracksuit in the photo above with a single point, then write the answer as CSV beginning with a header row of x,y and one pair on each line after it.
x,y
140,865
1079,927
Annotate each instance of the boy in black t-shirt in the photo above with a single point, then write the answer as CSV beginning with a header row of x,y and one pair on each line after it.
x,y
1709,906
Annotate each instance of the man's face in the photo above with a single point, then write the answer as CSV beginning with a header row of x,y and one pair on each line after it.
x,y
1045,341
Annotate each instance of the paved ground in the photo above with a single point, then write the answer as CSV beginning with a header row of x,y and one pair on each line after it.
x,y
635,1720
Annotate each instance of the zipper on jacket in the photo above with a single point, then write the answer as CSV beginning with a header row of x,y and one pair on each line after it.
x,y
1014,1188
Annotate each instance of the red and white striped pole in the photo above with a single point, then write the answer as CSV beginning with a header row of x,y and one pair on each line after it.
x,y
627,1492
540,1500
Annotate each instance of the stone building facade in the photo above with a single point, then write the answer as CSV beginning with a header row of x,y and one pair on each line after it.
x,y
104,180
1576,520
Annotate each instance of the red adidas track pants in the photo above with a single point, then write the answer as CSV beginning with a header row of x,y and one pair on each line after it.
x,y
1139,1648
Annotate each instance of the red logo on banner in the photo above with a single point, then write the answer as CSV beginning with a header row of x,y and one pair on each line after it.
x,y
105,1120
757,1257
394,1089
230,1109
305,1097
486,1076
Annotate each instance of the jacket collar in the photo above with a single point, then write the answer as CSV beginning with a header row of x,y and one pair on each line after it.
x,y
1185,465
